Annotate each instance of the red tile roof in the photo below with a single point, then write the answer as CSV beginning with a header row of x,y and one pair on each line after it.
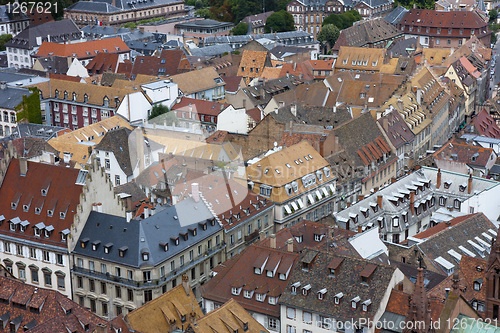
x,y
398,304
321,65
232,83
64,77
103,62
62,196
464,153
58,313
240,211
443,226
302,70
173,61
444,20
200,106
217,137
83,50
255,114
486,125
239,272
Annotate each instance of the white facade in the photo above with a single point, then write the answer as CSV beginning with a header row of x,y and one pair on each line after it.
x,y
107,160
13,28
162,92
19,58
77,69
134,107
7,122
233,120
483,202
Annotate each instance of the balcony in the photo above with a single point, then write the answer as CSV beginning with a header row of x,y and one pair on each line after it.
x,y
140,284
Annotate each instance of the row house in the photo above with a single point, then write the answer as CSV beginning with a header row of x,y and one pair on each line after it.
x,y
405,207
119,264
450,29
75,105
42,213
331,292
192,113
298,180
12,22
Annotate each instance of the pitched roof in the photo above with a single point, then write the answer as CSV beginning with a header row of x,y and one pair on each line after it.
x,y
228,318
348,280
362,58
103,62
40,310
58,31
395,16
252,63
31,147
396,129
200,106
169,308
83,50
233,83
10,97
117,142
485,125
198,80
239,272
464,153
444,19
46,193
132,189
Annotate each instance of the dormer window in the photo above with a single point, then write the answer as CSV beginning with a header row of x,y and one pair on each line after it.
x,y
95,245
50,212
37,232
337,298
12,226
354,302
317,238
235,291
164,245
62,215
257,270
462,187
321,294
65,94
366,305
395,222
85,98
105,101
272,300
477,285
194,231
74,96
269,274
247,294
294,288
83,242
56,93
306,289
122,250
145,256
107,248
282,276
299,239
447,185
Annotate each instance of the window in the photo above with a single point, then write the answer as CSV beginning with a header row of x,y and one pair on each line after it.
x,y
290,313
290,329
247,294
307,317
104,308
235,291
104,269
265,190
46,256
79,282
91,285
477,285
130,295
148,295
107,164
22,273
260,297
395,222
273,324
47,277
272,300
60,282
34,275
93,305
456,204
117,180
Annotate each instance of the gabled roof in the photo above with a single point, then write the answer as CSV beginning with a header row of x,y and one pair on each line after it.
x,y
396,129
39,310
239,272
117,142
485,125
46,193
198,80
199,106
464,153
58,31
365,59
252,63
396,15
444,19
347,280
83,50
103,62
11,97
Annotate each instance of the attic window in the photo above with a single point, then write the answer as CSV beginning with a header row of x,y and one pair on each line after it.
x,y
477,285
354,302
337,298
366,304
321,294
49,213
36,231
85,98
145,256
107,248
122,250
83,242
306,289
95,245
294,288
447,184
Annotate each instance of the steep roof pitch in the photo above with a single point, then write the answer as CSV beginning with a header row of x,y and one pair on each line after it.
x,y
156,315
354,278
252,63
47,196
103,62
43,310
200,106
366,59
368,32
464,153
198,80
396,128
117,142
239,271
444,19
83,50
485,125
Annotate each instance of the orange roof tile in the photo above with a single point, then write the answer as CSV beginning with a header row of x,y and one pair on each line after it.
x,y
83,50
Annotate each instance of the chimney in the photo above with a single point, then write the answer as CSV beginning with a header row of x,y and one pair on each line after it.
x,y
412,201
146,212
152,211
99,207
393,180
262,235
360,230
66,157
289,245
129,216
185,284
379,201
23,166
195,192
272,241
438,179
293,109
100,328
385,123
3,85
141,30
360,197
469,185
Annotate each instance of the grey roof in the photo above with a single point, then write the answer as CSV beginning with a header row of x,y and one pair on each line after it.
x,y
11,97
404,47
318,115
124,33
147,235
132,189
206,23
106,6
227,39
374,3
103,30
137,45
370,32
280,50
8,76
55,64
431,279
396,15
28,130
116,141
211,51
8,17
59,31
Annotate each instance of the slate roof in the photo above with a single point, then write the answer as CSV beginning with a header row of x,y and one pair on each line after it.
x,y
404,47
57,206
40,310
257,20
204,24
11,97
316,115
59,31
147,235
31,147
443,19
119,5
29,130
103,62
131,188
346,280
232,83
55,64
369,32
396,15
117,142
239,271
396,129
212,50
431,279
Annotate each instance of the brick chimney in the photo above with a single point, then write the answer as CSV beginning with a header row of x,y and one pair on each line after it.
x,y
360,197
379,201
195,192
469,185
289,245
412,201
438,179
185,284
272,241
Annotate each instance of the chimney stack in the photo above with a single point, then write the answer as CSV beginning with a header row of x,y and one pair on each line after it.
x,y
23,166
360,197
438,179
146,212
289,245
272,241
469,185
3,85
99,207
129,216
293,109
412,201
360,230
379,201
152,211
185,284
262,235
195,192
100,328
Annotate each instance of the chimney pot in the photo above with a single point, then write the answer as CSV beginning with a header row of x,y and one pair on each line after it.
x,y
289,245
146,212
469,185
412,201
360,230
272,241
185,284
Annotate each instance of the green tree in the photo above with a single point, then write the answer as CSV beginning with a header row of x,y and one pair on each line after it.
x,y
29,109
158,109
4,38
221,10
279,22
204,12
328,35
240,29
493,15
129,25
344,20
198,4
